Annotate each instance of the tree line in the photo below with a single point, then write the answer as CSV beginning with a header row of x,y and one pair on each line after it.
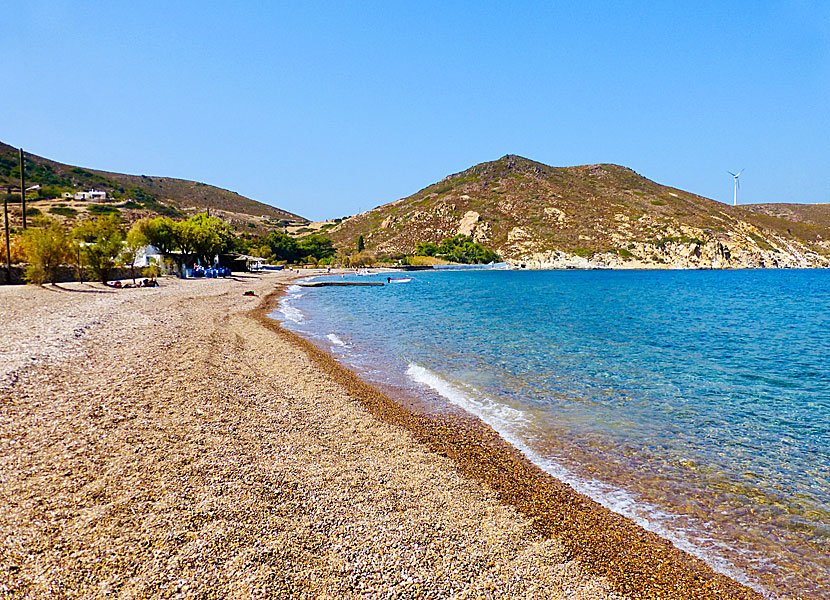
x,y
103,243
458,249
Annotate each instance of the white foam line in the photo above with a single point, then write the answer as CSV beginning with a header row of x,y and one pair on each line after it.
x,y
336,340
289,312
507,422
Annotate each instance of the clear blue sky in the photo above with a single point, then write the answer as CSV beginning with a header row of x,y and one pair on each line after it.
x,y
330,108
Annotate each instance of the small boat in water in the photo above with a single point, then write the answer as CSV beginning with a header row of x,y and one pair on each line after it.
x,y
398,279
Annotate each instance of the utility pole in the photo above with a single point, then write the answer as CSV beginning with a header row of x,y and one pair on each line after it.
x,y
8,245
22,188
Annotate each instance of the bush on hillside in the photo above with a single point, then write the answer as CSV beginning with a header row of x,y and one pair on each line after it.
x,y
459,249
63,210
102,209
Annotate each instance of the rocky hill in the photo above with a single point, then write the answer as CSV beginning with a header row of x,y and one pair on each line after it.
x,y
594,215
139,195
811,214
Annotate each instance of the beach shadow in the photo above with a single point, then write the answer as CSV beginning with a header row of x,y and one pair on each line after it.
x,y
58,288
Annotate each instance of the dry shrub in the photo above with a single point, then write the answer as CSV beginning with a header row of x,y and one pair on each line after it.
x,y
16,248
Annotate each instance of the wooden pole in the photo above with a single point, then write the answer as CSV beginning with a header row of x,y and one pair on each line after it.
x,y
8,245
23,188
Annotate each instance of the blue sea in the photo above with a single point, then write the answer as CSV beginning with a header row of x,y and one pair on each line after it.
x,y
695,402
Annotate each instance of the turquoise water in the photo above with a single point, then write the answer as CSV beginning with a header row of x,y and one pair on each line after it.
x,y
695,402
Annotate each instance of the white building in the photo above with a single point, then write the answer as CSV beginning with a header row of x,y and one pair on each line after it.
x,y
90,195
146,255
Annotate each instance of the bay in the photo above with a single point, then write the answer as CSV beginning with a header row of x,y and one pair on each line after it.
x,y
695,402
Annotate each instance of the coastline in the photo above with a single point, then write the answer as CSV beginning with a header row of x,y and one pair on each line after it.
x,y
190,444
636,562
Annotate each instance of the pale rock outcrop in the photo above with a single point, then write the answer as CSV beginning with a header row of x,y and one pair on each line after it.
x,y
468,223
555,214
680,250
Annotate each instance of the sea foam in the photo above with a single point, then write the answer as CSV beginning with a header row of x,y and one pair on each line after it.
x,y
289,312
332,337
509,423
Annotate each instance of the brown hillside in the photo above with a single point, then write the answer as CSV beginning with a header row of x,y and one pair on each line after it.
x,y
811,214
601,215
155,194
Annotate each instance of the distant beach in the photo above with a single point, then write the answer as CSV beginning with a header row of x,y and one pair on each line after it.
x,y
176,441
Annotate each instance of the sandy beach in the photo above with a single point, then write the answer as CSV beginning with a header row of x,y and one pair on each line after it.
x,y
175,442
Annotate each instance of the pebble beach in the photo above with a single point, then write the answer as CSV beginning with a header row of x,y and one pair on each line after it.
x,y
175,442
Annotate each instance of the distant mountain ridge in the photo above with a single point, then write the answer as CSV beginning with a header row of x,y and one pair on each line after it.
x,y
599,215
155,194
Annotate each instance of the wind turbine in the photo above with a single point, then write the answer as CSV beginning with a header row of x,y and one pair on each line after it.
x,y
737,185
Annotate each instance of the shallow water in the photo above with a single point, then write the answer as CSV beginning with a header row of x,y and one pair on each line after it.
x,y
695,402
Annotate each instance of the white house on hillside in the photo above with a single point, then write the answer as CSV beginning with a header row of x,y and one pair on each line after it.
x,y
90,195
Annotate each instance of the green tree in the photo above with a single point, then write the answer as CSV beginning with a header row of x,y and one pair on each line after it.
x,y
204,236
102,240
460,249
316,246
160,232
46,247
283,246
426,248
361,246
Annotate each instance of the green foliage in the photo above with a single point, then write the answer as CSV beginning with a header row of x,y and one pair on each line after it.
x,y
459,249
361,246
130,204
426,249
160,232
45,247
152,270
151,202
103,209
203,236
38,173
50,191
283,246
102,240
278,247
134,241
33,212
316,246
8,167
680,239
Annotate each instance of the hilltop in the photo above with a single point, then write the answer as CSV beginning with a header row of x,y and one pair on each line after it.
x,y
583,216
811,214
137,195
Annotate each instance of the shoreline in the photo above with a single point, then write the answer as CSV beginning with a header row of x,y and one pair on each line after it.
x,y
178,441
609,544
